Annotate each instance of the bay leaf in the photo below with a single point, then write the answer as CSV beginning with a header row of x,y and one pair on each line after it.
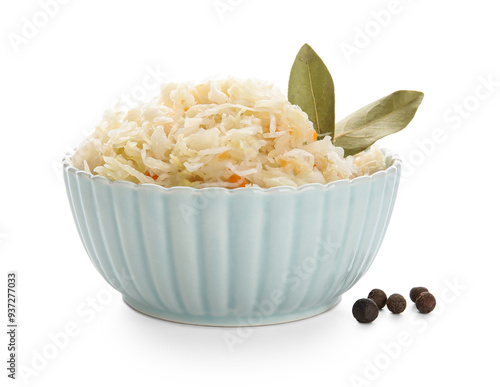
x,y
388,115
310,86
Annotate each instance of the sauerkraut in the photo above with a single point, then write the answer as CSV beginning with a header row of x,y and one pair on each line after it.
x,y
226,133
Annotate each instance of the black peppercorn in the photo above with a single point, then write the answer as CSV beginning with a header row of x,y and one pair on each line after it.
x,y
415,292
365,310
396,303
426,302
379,297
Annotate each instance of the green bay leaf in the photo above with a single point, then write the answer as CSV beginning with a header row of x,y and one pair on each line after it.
x,y
388,115
310,86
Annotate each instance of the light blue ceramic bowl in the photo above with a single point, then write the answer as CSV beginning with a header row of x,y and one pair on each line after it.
x,y
247,256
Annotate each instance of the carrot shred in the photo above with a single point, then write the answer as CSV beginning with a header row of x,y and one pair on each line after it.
x,y
234,178
283,163
224,155
154,176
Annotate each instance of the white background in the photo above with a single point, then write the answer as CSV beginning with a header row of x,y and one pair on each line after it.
x,y
444,233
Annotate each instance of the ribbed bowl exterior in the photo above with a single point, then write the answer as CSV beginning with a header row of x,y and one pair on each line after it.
x,y
248,256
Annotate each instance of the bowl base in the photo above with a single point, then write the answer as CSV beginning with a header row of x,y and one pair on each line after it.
x,y
230,321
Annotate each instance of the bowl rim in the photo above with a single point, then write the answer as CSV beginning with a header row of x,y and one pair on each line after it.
x,y
393,159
